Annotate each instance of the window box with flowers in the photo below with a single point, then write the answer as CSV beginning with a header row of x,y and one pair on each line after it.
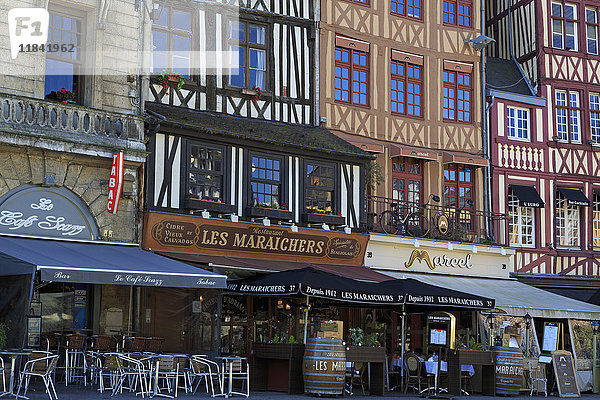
x,y
274,211
318,216
193,202
168,79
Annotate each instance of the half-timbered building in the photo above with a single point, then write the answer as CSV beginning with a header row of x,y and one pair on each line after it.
x,y
555,148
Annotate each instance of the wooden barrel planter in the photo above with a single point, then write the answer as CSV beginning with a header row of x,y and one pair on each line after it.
x,y
509,369
324,366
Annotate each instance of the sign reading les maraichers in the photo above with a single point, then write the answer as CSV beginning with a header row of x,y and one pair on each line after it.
x,y
197,235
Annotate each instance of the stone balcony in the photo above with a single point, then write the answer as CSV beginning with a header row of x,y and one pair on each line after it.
x,y
70,128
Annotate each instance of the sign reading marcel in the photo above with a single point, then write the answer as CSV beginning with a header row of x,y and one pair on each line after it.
x,y
198,235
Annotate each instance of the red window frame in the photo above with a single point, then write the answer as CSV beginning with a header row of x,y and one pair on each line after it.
x,y
457,96
407,170
401,83
461,178
355,70
404,5
453,12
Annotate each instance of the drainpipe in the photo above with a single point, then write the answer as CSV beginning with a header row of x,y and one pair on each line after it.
x,y
484,134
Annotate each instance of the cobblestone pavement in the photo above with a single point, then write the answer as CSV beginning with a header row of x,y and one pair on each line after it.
x,y
75,392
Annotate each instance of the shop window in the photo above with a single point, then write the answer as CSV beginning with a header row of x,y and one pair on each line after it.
x,y
564,26
320,183
64,68
595,116
457,12
517,123
568,116
249,42
407,179
407,8
351,76
591,30
172,41
205,172
265,181
596,219
406,88
567,222
520,223
457,101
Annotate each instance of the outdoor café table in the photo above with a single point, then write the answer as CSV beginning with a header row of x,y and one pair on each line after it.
x,y
226,362
14,354
431,368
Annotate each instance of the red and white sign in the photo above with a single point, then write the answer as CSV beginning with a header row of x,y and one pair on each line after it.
x,y
115,183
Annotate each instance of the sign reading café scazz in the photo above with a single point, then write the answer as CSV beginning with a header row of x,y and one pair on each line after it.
x,y
190,234
48,212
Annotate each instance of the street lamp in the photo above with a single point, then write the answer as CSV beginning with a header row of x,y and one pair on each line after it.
x,y
595,366
480,42
528,319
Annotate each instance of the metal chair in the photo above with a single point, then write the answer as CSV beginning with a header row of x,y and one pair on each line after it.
x,y
237,369
91,367
537,376
205,370
3,371
137,375
42,366
413,371
167,371
111,369
74,357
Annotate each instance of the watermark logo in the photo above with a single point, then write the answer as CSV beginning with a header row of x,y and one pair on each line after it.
x,y
28,27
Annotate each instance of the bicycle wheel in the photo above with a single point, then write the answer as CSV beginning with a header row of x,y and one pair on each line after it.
x,y
417,225
388,221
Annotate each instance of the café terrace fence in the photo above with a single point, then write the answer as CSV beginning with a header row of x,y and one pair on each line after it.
x,y
464,224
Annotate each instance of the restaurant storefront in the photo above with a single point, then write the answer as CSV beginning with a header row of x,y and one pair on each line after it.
x,y
524,316
58,278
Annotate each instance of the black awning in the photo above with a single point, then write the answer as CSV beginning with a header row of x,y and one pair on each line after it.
x,y
315,283
101,263
527,195
575,197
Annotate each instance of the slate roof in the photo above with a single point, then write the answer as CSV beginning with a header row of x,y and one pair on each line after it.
x,y
505,75
308,137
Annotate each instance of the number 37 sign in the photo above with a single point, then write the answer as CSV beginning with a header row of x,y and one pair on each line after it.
x,y
115,183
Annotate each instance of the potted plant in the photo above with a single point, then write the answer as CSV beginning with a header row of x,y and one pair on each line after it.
x,y
195,202
360,349
65,96
317,215
269,210
169,78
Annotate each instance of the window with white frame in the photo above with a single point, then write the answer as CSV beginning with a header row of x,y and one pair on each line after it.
x,y
517,123
568,116
567,222
596,219
595,116
520,223
564,26
591,30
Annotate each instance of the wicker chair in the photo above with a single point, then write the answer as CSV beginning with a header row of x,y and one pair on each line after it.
x,y
153,345
74,348
135,344
414,372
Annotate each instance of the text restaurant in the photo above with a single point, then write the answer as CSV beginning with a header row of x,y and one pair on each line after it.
x,y
526,328
63,288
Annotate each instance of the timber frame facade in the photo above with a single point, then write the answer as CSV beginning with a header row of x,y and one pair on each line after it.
x,y
400,99
563,66
238,144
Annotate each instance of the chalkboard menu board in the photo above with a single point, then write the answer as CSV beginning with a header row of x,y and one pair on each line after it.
x,y
564,370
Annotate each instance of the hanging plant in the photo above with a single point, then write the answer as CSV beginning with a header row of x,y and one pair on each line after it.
x,y
256,97
168,77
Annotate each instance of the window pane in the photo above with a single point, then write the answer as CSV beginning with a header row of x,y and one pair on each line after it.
x,y
237,77
237,30
256,34
62,76
182,20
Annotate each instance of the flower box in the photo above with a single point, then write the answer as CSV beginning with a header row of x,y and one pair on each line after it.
x,y
330,219
198,204
272,213
365,354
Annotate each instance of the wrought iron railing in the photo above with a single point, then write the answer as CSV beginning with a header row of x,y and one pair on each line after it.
x,y
34,113
461,224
